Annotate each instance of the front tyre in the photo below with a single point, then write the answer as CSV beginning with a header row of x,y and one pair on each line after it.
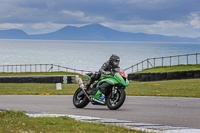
x,y
80,100
117,101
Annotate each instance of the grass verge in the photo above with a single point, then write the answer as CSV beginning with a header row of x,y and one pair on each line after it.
x,y
17,121
175,68
36,89
172,88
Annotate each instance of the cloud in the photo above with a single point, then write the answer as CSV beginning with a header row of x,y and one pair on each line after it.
x,y
81,16
195,20
114,10
41,28
74,14
11,26
150,16
168,28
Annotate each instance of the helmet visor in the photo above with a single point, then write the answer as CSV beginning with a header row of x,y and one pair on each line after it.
x,y
116,63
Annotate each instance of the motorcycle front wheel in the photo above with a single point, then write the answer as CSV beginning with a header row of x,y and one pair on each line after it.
x,y
80,100
117,101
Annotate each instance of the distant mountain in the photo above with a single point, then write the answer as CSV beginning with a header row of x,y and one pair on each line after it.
x,y
95,32
13,34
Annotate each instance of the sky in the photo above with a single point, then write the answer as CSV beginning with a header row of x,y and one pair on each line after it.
x,y
166,17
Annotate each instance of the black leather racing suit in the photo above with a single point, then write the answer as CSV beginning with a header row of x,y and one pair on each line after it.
x,y
106,69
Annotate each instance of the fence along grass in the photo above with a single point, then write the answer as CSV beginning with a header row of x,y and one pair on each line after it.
x,y
38,68
165,61
148,63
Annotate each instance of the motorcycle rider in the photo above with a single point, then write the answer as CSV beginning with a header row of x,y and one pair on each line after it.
x,y
107,68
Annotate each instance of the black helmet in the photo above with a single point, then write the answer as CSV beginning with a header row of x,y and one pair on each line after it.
x,y
114,60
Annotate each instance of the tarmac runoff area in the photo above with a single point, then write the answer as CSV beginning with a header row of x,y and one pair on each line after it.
x,y
152,114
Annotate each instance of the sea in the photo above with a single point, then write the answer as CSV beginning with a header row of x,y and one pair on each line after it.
x,y
87,55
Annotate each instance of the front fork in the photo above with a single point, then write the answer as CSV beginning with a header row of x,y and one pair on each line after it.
x,y
114,91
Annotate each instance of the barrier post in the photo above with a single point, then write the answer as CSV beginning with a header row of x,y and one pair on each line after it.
x,y
196,58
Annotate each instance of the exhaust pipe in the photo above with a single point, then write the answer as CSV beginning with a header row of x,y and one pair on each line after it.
x,y
81,85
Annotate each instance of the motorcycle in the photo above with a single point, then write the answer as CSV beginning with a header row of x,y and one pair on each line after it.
x,y
113,87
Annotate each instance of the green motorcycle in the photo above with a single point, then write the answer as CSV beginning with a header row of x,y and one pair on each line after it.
x,y
108,90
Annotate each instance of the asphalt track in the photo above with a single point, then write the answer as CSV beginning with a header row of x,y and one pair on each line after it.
x,y
172,111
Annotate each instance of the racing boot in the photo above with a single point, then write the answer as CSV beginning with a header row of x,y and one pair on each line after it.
x,y
87,86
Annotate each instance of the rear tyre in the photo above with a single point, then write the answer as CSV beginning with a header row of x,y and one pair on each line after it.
x,y
117,101
80,100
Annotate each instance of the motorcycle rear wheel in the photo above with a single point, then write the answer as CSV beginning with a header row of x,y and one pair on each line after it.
x,y
117,101
80,101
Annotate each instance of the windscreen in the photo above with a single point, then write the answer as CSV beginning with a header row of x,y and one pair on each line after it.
x,y
119,70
